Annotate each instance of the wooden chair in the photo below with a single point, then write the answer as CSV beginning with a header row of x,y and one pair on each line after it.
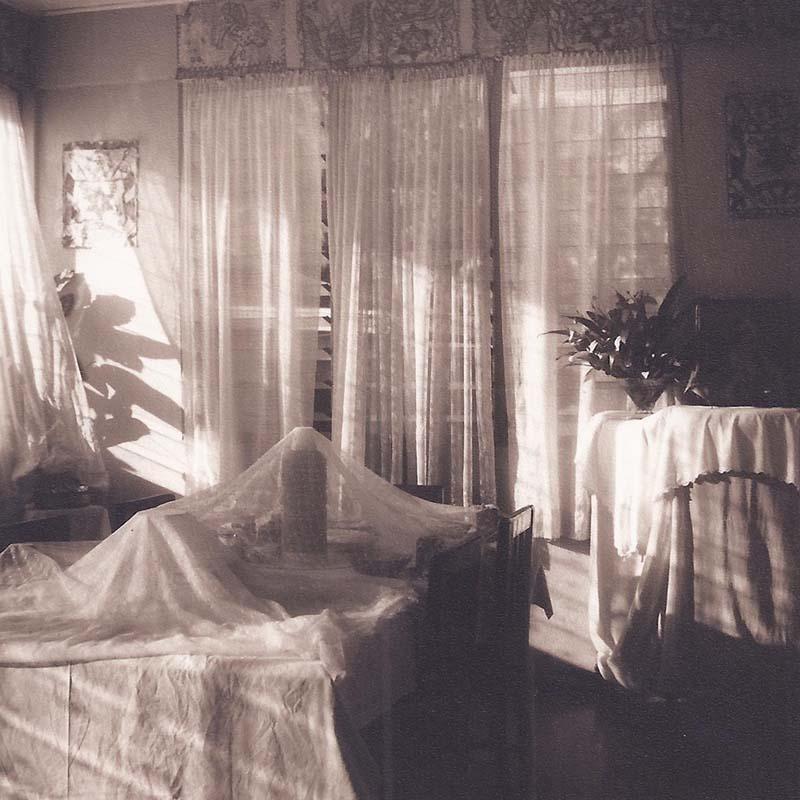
x,y
507,680
451,612
429,492
512,587
120,513
461,714
48,529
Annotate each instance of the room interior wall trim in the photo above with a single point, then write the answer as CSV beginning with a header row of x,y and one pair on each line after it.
x,y
17,32
217,39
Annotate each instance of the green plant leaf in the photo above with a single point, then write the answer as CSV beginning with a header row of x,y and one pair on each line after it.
x,y
561,331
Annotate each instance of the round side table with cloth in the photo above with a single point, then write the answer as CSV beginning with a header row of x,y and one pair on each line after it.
x,y
694,529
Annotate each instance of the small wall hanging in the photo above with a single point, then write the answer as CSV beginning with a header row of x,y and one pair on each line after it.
x,y
100,193
763,154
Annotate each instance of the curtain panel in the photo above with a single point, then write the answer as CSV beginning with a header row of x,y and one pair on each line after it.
x,y
584,209
251,266
583,203
44,417
410,269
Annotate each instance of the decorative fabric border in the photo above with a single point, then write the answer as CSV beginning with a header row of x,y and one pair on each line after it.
x,y
763,154
100,193
414,32
237,37
511,27
17,32
597,24
333,36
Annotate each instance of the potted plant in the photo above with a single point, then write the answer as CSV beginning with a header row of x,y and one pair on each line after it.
x,y
648,351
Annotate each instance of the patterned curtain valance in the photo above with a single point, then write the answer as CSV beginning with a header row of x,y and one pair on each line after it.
x,y
16,47
244,36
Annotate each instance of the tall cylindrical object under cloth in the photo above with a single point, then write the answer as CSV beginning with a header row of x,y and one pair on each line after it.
x,y
304,501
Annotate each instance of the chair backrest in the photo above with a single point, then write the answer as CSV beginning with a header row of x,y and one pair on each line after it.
x,y
512,586
429,492
48,529
120,513
451,608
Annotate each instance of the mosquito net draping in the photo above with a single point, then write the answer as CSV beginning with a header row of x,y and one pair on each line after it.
x,y
182,578
44,418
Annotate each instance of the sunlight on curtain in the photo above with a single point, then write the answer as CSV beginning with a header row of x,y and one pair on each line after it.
x,y
411,273
584,210
44,418
251,266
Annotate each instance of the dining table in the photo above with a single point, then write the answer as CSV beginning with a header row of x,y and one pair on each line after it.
x,y
211,727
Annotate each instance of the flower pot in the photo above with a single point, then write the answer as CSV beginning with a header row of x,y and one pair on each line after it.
x,y
644,392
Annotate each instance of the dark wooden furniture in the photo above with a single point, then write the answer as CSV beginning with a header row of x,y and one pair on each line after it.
x,y
512,587
451,612
429,492
745,350
120,513
478,603
508,677
49,529
465,732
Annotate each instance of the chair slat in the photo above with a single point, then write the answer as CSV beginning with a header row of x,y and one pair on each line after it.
x,y
512,586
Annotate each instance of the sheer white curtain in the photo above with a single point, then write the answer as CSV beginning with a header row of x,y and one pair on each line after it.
x,y
251,266
584,210
44,417
409,203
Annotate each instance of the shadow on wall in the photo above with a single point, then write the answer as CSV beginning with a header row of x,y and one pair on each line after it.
x,y
112,361
111,380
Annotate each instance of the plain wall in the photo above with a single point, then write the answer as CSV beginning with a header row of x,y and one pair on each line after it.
x,y
111,75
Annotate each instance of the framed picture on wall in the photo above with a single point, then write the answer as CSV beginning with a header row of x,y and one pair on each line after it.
x,y
101,203
763,154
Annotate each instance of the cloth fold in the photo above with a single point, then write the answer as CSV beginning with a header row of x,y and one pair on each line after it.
x,y
629,461
708,499
204,575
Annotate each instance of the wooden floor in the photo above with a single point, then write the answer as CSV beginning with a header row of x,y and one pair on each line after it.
x,y
589,741
740,741
458,739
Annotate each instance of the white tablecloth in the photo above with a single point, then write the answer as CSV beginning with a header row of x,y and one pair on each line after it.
x,y
208,727
695,526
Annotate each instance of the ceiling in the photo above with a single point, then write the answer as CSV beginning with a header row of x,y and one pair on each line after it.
x,y
53,7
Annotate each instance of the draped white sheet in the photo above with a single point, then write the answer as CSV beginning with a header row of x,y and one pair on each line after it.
x,y
251,247
695,515
44,417
196,623
673,448
176,579
409,201
200,727
584,210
